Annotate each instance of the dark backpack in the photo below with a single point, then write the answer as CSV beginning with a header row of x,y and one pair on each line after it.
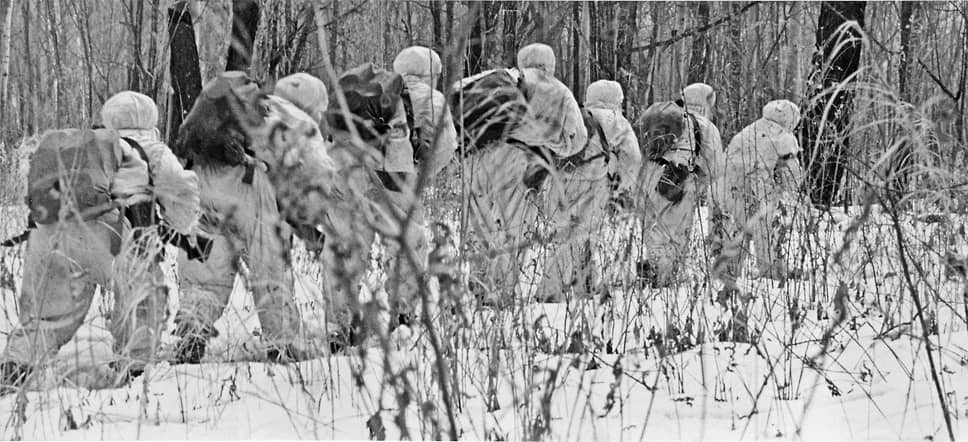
x,y
71,172
211,132
488,108
661,125
372,95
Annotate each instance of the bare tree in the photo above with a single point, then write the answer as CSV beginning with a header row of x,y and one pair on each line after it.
x,y
825,131
245,22
6,21
901,160
186,77
53,35
697,61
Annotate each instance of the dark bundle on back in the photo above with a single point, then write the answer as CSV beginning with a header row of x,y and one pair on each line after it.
x,y
661,125
211,133
487,107
72,166
372,95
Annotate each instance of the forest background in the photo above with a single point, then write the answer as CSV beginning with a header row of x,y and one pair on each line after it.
x,y
60,59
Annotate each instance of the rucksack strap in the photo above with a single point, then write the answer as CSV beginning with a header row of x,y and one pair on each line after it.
x,y
419,150
578,159
144,156
696,133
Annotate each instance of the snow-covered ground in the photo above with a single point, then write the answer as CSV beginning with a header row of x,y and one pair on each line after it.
x,y
873,380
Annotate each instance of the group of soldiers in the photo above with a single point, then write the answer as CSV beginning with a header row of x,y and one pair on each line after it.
x,y
250,170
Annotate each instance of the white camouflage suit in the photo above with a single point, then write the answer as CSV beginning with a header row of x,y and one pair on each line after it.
x,y
585,192
135,116
667,225
243,222
503,211
761,164
67,260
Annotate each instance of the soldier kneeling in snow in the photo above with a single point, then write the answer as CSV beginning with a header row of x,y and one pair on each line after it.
x,y
80,184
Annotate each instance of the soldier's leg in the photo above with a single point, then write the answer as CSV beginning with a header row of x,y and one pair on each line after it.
x,y
568,265
140,307
404,283
770,239
64,264
502,213
204,289
267,245
667,239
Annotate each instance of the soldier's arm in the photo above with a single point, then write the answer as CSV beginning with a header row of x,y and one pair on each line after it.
x,y
176,189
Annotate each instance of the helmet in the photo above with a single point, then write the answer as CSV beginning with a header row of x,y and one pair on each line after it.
x,y
537,56
129,110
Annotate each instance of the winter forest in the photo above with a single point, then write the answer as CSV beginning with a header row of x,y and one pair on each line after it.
x,y
483,220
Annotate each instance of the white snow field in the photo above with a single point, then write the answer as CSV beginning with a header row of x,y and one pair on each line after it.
x,y
807,375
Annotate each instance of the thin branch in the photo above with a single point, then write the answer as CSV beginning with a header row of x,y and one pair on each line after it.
x,y
696,30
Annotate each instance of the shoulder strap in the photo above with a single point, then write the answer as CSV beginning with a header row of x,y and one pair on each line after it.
x,y
415,141
696,133
142,214
144,156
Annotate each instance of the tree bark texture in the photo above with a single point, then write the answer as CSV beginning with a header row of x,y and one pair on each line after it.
x,y
245,22
186,77
902,158
698,58
6,21
825,135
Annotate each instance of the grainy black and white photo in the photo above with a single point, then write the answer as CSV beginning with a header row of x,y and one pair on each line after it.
x,y
483,220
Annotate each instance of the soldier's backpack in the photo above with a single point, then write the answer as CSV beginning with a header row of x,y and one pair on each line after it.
x,y
661,125
211,132
70,175
372,95
486,107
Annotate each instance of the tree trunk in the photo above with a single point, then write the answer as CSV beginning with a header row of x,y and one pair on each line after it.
x,y
627,29
6,21
475,44
698,58
31,122
825,137
577,85
245,22
53,30
186,77
334,38
902,158
136,11
510,38
437,19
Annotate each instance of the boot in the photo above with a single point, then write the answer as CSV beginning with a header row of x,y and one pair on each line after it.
x,y
190,350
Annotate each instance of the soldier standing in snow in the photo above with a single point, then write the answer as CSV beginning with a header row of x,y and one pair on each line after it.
x,y
241,218
761,164
582,185
684,159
